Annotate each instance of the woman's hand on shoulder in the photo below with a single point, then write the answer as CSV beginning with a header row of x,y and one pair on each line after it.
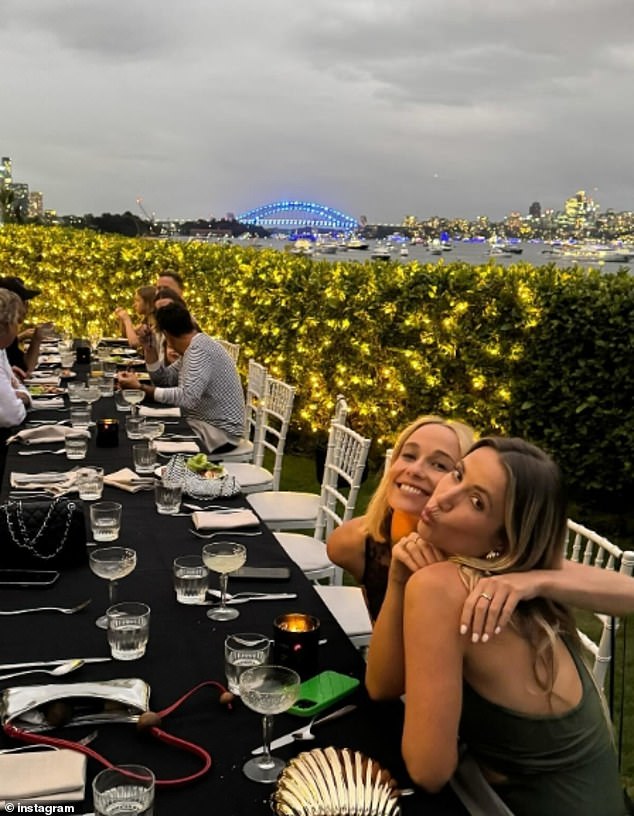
x,y
491,603
411,554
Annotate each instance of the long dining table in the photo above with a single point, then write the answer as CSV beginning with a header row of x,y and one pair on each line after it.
x,y
185,648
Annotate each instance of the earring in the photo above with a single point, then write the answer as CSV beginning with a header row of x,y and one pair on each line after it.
x,y
492,555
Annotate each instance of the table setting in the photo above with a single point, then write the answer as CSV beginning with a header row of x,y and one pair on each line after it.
x,y
174,586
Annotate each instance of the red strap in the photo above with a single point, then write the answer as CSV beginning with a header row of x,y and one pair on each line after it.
x,y
170,739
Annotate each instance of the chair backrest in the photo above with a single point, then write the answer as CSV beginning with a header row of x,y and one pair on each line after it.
x,y
256,384
232,349
584,546
346,457
341,410
276,408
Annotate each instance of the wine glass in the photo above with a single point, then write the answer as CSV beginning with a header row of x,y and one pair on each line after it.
x,y
133,396
111,563
268,690
223,557
151,430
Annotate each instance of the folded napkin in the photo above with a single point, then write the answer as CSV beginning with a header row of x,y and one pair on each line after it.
x,y
54,482
224,520
52,402
47,434
42,776
42,378
146,411
126,479
164,446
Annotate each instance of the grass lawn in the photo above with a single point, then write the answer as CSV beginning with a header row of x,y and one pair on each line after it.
x,y
299,473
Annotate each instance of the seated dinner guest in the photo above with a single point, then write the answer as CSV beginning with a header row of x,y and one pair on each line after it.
x,y
204,381
424,452
14,398
522,703
24,362
144,308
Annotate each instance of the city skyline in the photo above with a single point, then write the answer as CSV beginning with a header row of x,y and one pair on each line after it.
x,y
380,110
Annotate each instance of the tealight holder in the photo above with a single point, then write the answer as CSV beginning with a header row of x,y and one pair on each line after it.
x,y
107,433
296,643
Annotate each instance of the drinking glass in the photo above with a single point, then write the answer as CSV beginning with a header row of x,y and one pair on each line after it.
x,y
124,789
90,394
90,483
111,563
268,690
191,579
76,447
144,458
109,369
105,520
243,651
133,427
128,630
151,430
80,415
224,557
133,396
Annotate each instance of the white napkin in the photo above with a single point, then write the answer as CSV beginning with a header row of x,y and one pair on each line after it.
x,y
126,479
42,378
42,776
47,434
165,446
53,402
146,411
57,483
219,520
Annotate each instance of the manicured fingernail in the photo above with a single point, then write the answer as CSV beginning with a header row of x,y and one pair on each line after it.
x,y
475,638
485,638
498,629
463,629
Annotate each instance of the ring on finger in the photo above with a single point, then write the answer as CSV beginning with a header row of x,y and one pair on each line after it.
x,y
485,595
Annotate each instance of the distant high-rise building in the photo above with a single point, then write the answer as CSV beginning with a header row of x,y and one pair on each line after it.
x,y
535,209
5,172
36,205
20,197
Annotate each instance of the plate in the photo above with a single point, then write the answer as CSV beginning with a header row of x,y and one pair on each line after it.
x,y
45,390
67,374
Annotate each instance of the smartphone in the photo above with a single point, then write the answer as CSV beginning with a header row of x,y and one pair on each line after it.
x,y
26,578
262,573
321,691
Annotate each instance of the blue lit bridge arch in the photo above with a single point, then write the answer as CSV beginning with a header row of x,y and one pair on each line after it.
x,y
291,215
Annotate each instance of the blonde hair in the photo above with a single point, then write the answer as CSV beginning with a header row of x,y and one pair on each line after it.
x,y
379,512
533,535
11,309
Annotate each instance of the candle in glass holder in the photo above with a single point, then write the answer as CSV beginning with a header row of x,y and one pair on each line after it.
x,y
296,643
107,433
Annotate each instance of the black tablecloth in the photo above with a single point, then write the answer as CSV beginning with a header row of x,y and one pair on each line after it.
x,y
185,648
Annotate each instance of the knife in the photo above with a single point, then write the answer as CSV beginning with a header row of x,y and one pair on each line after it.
x,y
37,663
288,738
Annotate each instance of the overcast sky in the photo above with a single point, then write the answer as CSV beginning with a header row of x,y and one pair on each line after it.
x,y
383,109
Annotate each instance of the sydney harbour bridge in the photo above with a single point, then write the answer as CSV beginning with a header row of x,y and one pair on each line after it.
x,y
297,215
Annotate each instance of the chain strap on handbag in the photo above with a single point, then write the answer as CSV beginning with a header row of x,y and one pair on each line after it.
x,y
14,511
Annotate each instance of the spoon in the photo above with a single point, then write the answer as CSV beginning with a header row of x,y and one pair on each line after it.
x,y
58,671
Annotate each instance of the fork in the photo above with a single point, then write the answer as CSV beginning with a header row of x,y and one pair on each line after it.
x,y
66,610
229,533
35,452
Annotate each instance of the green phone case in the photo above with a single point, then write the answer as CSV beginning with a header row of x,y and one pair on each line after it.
x,y
321,691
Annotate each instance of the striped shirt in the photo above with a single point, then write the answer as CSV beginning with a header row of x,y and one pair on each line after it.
x,y
205,384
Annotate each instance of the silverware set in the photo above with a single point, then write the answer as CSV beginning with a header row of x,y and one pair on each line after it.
x,y
65,610
225,533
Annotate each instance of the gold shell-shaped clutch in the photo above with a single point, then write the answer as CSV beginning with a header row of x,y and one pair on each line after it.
x,y
335,782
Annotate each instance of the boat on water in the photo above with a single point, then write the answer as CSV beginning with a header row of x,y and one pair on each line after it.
x,y
381,252
404,252
326,247
595,252
499,251
354,242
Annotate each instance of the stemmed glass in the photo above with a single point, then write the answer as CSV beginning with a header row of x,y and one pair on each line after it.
x,y
111,563
152,430
268,690
133,396
223,557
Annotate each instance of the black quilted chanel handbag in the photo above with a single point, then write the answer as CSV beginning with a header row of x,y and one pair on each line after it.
x,y
42,534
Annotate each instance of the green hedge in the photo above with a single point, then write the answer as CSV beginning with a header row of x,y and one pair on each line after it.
x,y
541,352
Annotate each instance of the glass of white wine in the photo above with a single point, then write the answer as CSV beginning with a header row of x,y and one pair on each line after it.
x,y
133,396
268,690
151,430
111,563
223,557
